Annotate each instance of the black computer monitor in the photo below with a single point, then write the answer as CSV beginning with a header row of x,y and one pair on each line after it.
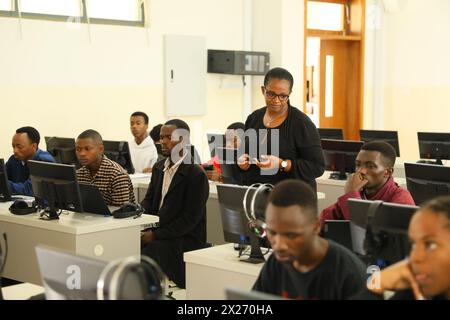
x,y
340,156
5,190
55,187
434,146
389,223
427,181
215,140
62,149
119,151
230,172
390,137
235,224
331,133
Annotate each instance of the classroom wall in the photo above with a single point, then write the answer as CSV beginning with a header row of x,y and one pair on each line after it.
x,y
415,68
56,79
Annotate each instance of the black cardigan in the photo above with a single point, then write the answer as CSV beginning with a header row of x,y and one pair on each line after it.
x,y
299,142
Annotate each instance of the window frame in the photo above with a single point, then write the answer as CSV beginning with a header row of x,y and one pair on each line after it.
x,y
83,19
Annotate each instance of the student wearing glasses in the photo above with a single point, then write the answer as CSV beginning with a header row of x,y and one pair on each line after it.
x,y
299,154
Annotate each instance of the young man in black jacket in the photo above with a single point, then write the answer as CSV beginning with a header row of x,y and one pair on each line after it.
x,y
177,193
303,265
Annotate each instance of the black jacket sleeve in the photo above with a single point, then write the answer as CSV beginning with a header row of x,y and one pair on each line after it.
x,y
310,162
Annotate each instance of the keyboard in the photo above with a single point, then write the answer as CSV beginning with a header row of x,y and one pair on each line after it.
x,y
153,225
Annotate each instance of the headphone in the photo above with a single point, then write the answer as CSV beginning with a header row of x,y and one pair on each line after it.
x,y
128,210
256,225
137,272
22,207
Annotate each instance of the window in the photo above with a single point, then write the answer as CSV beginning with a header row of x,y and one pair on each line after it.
x,y
6,5
52,7
114,9
325,16
122,12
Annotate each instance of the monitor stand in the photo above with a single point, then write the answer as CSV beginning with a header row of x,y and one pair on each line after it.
x,y
256,255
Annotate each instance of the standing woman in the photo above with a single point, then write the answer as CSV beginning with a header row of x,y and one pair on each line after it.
x,y
300,153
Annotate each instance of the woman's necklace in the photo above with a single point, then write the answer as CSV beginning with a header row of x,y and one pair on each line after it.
x,y
268,123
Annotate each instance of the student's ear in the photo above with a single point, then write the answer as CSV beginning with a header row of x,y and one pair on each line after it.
x,y
35,146
317,227
389,172
101,148
263,89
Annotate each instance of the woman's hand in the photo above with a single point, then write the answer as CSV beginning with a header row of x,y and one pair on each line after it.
x,y
396,277
244,162
268,162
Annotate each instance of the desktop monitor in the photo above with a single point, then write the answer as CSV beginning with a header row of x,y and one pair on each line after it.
x,y
215,140
235,224
68,277
427,181
340,156
5,190
119,151
62,149
231,174
434,146
389,224
331,133
390,137
55,187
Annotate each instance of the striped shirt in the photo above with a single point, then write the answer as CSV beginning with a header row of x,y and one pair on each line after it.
x,y
112,181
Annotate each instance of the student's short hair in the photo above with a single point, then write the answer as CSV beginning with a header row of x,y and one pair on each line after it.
x,y
141,114
180,124
295,192
32,134
279,73
156,132
439,206
91,134
236,126
387,151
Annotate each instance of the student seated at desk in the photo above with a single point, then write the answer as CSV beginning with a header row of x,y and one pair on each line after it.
x,y
372,180
26,147
426,273
142,149
109,177
233,139
177,193
303,265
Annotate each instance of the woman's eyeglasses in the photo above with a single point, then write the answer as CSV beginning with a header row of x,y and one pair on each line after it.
x,y
272,95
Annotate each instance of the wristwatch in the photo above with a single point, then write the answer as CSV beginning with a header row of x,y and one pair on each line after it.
x,y
283,165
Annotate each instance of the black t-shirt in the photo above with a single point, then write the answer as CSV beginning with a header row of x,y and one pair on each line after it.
x,y
299,142
340,275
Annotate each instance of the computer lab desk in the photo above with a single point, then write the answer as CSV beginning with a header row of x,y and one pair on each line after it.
x,y
336,188
96,236
214,230
209,271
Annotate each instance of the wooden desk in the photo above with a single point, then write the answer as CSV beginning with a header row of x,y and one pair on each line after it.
x,y
90,235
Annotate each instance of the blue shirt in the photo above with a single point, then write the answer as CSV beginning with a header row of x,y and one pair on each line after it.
x,y
19,174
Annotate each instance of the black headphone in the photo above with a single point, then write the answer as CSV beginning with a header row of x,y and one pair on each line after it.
x,y
119,276
128,210
22,207
256,225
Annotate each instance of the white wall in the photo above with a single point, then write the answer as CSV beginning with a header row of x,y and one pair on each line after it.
x,y
57,81
414,74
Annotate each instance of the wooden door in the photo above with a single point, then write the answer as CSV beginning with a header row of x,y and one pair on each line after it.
x,y
340,80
